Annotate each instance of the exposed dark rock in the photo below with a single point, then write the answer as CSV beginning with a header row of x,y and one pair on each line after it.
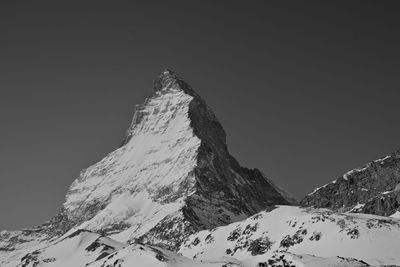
x,y
235,234
364,185
383,204
297,238
316,236
260,246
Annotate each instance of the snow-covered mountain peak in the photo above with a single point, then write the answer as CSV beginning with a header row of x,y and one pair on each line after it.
x,y
171,91
173,185
171,177
174,162
168,80
172,168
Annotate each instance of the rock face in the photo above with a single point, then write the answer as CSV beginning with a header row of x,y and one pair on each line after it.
x,y
385,204
171,176
371,189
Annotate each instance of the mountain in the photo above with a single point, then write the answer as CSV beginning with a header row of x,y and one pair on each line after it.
x,y
171,177
373,188
172,196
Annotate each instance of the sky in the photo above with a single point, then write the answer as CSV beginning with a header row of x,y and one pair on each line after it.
x,y
305,90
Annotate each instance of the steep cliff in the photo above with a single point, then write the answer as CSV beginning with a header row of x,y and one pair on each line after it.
x,y
372,188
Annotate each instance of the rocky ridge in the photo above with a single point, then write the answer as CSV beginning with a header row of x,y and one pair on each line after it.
x,y
373,189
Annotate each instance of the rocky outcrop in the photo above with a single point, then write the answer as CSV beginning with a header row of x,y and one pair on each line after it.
x,y
362,190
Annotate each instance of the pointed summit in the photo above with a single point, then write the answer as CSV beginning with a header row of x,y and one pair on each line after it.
x,y
175,152
169,84
168,79
164,79
172,176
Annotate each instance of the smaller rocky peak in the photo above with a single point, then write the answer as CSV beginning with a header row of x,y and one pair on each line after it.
x,y
366,185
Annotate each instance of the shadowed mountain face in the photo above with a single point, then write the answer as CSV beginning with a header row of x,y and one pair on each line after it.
x,y
171,176
373,189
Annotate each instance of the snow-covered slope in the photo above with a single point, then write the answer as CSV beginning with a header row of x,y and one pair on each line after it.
x,y
172,176
282,236
144,256
77,249
84,248
290,231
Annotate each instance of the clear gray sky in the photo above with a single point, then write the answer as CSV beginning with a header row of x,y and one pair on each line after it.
x,y
305,90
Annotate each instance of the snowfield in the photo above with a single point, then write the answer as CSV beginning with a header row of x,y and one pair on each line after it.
x,y
283,236
84,248
319,232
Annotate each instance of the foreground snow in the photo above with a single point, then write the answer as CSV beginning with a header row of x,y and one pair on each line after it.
x,y
84,248
283,236
319,232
